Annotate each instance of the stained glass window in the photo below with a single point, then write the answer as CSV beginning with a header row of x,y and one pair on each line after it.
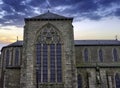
x,y
38,72
45,63
48,56
117,80
7,58
115,55
86,55
100,55
16,57
52,63
59,63
79,81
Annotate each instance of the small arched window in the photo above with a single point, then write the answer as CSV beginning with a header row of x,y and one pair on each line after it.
x,y
79,81
101,55
86,55
16,57
7,58
117,80
115,55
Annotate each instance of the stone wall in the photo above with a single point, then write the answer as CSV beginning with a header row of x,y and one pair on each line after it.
x,y
28,68
0,66
94,56
10,74
12,78
94,73
107,77
0,72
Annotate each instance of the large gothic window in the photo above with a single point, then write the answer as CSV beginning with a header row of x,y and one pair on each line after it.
x,y
16,57
7,58
117,80
79,81
49,56
115,55
86,55
100,55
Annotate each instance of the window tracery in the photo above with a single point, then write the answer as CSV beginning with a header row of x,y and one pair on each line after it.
x,y
49,56
49,35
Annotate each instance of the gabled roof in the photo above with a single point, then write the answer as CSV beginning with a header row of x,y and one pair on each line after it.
x,y
50,16
97,42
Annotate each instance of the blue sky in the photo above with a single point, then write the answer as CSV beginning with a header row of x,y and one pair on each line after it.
x,y
93,19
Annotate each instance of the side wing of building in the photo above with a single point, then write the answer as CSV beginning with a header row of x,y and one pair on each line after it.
x,y
11,56
98,64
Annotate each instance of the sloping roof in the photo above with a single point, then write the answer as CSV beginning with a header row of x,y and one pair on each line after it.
x,y
77,42
97,42
17,43
50,16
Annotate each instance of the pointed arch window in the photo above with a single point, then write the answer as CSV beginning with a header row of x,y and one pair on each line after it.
x,y
86,55
115,55
117,80
101,55
49,56
79,81
7,57
16,57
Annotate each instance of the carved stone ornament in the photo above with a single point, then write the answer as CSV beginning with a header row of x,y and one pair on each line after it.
x,y
49,35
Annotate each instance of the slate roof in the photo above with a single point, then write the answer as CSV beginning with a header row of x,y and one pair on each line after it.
x,y
78,43
97,42
49,16
17,43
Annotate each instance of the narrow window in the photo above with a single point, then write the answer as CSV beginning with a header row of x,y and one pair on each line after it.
x,y
45,63
16,57
86,55
7,58
38,72
52,63
100,55
79,81
115,55
117,80
59,63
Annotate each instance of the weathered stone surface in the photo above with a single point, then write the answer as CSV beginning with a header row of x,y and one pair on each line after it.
x,y
94,73
12,78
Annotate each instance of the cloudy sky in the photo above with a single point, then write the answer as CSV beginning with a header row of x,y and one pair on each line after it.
x,y
93,19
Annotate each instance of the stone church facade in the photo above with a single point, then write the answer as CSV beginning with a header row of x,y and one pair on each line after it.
x,y
49,57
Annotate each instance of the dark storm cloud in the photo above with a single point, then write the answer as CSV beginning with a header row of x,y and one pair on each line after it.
x,y
106,3
117,12
13,12
36,3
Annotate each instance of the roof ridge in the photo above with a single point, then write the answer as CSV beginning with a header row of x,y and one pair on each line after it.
x,y
50,15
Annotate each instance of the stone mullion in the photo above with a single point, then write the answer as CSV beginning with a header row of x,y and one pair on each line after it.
x,y
41,63
55,65
48,58
62,62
